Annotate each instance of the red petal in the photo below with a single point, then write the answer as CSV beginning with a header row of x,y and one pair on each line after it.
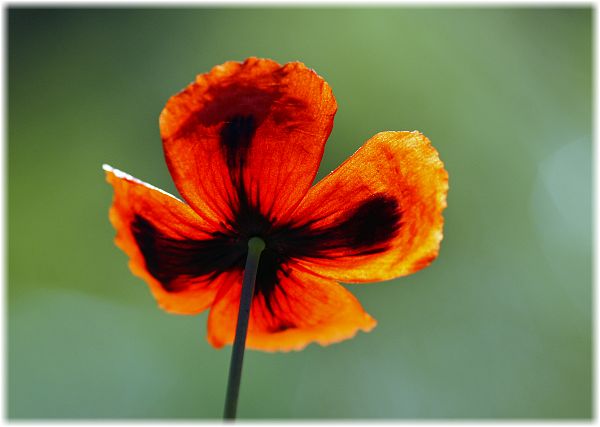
x,y
255,128
378,215
141,212
303,308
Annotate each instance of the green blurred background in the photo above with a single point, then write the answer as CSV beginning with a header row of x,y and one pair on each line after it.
x,y
500,326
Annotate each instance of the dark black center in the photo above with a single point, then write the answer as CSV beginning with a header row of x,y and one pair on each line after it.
x,y
365,230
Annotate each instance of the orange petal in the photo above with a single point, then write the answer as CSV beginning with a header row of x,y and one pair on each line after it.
x,y
252,130
302,308
153,228
378,215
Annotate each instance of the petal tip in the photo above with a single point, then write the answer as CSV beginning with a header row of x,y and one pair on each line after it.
x,y
370,323
214,342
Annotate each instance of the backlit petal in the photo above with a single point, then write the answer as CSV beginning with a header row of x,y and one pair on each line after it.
x,y
160,234
379,215
247,133
302,308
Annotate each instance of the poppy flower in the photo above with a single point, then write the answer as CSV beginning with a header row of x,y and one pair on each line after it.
x,y
243,144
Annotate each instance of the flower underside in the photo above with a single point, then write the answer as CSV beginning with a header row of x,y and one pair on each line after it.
x,y
243,144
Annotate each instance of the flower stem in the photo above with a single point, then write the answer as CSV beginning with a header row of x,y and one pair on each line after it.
x,y
255,248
